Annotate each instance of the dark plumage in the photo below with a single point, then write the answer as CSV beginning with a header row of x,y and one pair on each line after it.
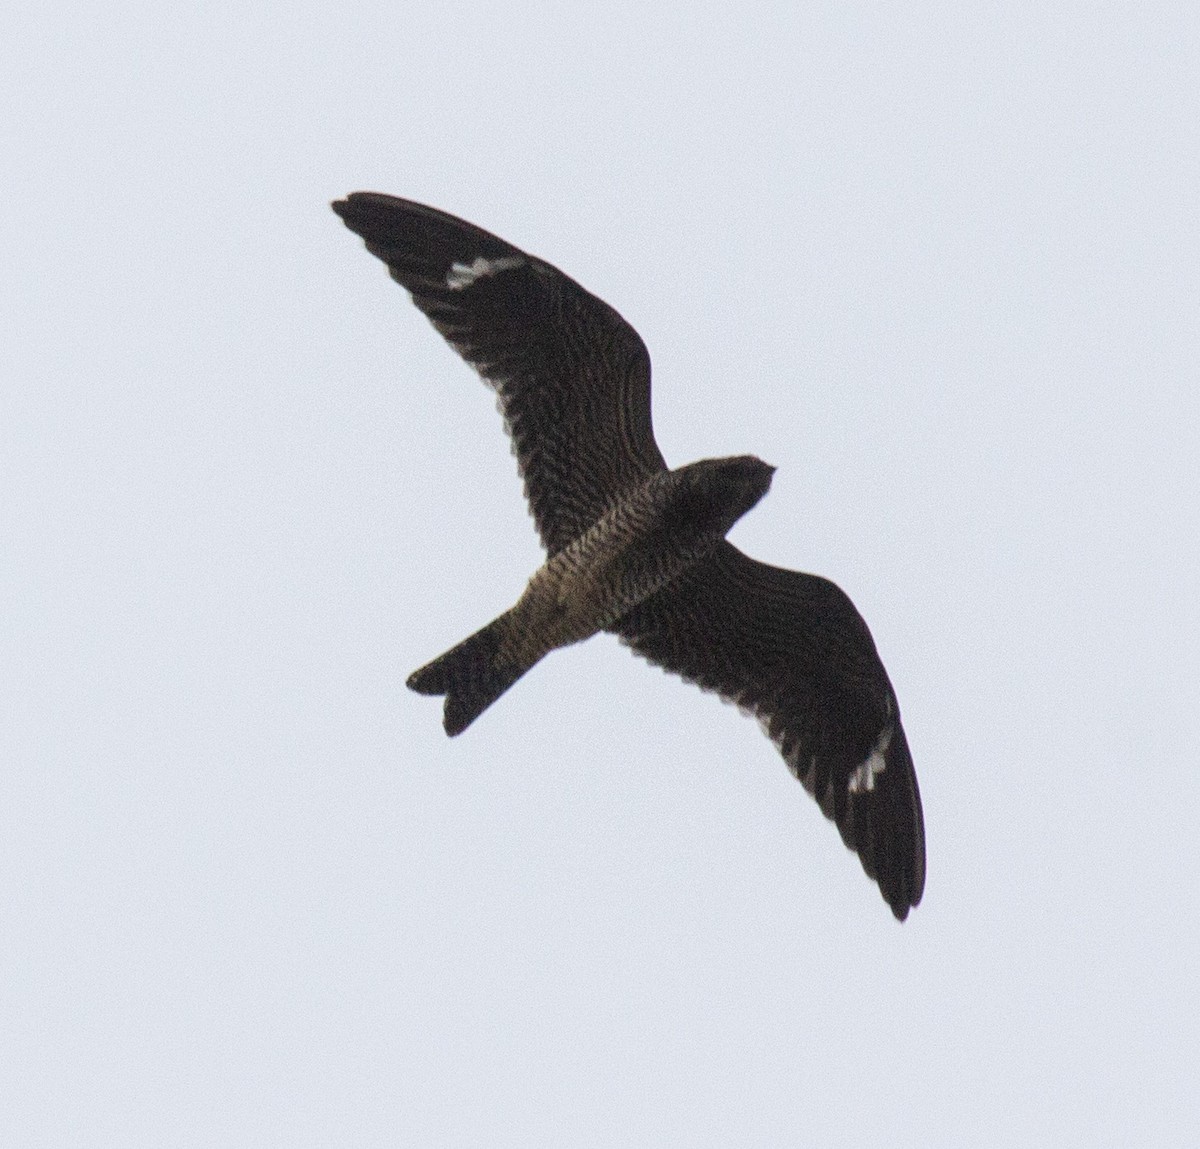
x,y
639,550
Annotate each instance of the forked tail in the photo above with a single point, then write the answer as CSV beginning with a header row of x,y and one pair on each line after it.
x,y
472,675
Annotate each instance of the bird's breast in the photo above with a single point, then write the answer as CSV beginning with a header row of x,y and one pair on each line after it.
x,y
638,546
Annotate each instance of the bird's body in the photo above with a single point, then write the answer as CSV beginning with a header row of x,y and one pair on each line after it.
x,y
643,542
646,539
640,550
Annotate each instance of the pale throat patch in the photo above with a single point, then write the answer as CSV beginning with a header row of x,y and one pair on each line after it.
x,y
863,779
463,275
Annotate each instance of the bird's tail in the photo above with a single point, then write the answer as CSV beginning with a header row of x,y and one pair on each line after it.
x,y
471,675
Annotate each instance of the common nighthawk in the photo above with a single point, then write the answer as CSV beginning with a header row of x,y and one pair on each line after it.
x,y
639,550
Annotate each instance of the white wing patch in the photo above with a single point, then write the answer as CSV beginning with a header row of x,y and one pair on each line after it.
x,y
463,275
863,779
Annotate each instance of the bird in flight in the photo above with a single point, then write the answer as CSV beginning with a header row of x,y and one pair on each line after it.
x,y
639,550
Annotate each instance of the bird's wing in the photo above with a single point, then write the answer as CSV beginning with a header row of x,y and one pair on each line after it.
x,y
792,649
572,377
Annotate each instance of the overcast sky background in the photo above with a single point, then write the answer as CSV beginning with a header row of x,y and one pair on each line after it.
x,y
937,262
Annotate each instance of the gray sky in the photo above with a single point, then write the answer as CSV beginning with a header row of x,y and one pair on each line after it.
x,y
937,262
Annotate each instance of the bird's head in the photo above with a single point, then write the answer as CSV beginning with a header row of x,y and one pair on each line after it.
x,y
718,492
